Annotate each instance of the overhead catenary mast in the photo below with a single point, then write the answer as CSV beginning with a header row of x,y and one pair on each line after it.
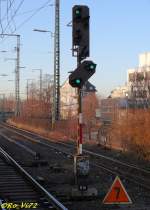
x,y
56,92
17,74
17,80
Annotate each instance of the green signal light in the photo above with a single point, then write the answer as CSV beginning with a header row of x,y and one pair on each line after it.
x,y
92,66
78,81
77,12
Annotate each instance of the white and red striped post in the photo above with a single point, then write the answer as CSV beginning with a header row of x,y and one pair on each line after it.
x,y
80,118
81,162
80,122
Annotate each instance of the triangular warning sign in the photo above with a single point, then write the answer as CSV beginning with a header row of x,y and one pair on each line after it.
x,y
117,194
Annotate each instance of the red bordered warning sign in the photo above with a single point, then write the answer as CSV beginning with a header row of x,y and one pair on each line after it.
x,y
117,194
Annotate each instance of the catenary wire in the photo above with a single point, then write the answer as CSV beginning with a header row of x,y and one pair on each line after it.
x,y
1,17
30,17
11,14
19,6
7,9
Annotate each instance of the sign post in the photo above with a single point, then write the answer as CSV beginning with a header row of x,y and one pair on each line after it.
x,y
117,194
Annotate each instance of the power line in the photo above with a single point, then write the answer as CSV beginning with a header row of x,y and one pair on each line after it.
x,y
11,14
1,16
8,15
26,20
19,6
23,13
30,17
32,10
26,12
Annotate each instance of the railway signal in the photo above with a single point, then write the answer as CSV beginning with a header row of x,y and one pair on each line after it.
x,y
77,79
83,72
80,49
80,32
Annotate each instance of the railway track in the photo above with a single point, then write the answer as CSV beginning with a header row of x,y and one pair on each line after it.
x,y
19,190
113,166
131,172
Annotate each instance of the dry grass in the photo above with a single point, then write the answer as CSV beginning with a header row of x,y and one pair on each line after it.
x,y
133,133
44,129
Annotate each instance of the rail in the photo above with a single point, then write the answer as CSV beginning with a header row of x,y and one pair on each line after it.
x,y
49,196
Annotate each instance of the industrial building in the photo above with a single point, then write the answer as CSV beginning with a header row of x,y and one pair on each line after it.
x,y
138,80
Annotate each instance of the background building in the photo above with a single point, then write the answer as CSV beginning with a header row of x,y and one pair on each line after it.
x,y
68,95
119,92
139,82
113,109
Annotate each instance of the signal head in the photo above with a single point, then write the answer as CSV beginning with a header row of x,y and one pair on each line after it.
x,y
78,12
83,72
91,66
78,81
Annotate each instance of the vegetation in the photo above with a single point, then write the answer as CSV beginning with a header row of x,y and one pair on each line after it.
x,y
129,131
36,115
133,132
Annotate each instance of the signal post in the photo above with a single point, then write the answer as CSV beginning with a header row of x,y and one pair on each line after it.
x,y
77,79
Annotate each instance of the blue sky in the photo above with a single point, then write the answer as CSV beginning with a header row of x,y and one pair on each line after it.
x,y
119,32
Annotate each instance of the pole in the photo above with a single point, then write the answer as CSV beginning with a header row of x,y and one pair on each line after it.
x,y
81,162
80,117
3,107
17,75
56,91
32,99
40,95
27,90
40,85
18,78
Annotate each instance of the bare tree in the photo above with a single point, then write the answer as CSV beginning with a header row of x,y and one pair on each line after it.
x,y
132,131
90,104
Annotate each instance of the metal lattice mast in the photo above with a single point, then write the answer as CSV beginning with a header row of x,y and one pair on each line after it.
x,y
56,94
17,80
17,74
41,85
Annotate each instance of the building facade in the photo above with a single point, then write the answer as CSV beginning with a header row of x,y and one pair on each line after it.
x,y
113,109
119,92
68,98
138,80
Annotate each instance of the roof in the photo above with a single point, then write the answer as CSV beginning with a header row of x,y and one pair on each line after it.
x,y
88,87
